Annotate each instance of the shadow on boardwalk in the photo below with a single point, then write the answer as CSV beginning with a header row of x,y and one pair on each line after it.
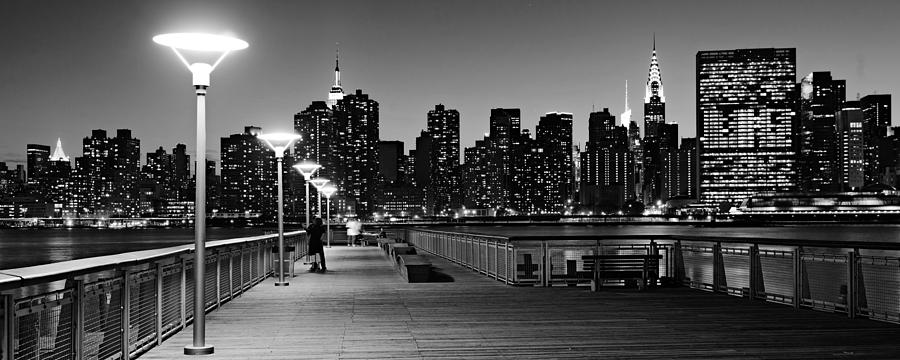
x,y
362,309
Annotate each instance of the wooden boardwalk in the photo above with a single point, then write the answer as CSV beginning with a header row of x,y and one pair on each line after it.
x,y
362,309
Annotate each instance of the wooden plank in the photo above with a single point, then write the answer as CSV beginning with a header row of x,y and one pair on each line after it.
x,y
361,309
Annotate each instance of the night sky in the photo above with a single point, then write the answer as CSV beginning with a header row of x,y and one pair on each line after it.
x,y
71,66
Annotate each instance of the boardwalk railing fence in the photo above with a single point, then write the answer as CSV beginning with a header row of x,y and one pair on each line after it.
x,y
120,306
859,278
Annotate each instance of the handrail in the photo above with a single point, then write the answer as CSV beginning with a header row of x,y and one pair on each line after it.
x,y
119,306
848,244
24,276
858,278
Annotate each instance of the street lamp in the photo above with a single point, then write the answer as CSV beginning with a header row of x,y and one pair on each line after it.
x,y
319,183
279,142
328,190
200,72
307,169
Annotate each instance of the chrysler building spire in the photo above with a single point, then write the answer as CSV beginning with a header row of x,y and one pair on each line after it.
x,y
654,79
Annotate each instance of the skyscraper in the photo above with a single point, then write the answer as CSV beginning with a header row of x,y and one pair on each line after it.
x,y
605,164
850,150
820,98
475,176
876,122
505,134
37,161
126,169
356,129
315,126
687,168
443,128
655,144
554,136
390,160
248,175
58,173
746,123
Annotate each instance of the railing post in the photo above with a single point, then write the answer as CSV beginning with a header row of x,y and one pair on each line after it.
x,y
798,277
231,273
717,263
218,279
184,293
126,314
78,317
6,332
852,257
159,302
755,271
547,273
241,267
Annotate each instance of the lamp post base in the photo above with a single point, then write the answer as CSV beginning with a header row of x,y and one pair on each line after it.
x,y
198,350
282,283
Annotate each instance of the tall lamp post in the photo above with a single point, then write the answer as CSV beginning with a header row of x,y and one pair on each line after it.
x,y
319,183
307,169
197,42
279,142
328,190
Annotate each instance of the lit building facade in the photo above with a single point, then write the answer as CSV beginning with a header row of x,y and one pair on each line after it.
x,y
37,160
821,97
850,147
444,172
655,143
247,175
746,123
356,130
553,135
876,111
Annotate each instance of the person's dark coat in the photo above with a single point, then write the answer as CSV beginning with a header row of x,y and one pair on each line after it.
x,y
315,233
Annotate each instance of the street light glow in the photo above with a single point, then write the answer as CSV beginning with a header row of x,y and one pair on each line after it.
x,y
307,168
200,42
279,142
328,190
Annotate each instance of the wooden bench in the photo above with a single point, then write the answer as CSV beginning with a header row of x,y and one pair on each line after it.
x,y
414,268
400,249
642,268
384,242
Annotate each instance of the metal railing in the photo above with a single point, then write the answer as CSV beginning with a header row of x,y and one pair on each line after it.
x,y
120,306
858,278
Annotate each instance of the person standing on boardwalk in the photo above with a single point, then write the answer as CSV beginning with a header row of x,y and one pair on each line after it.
x,y
354,229
315,232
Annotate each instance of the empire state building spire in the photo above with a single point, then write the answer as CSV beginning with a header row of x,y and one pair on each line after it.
x,y
337,92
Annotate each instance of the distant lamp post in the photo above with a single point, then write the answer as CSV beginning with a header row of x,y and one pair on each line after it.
x,y
279,142
307,169
196,42
319,183
328,190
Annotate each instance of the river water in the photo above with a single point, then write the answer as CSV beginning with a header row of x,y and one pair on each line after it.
x,y
27,247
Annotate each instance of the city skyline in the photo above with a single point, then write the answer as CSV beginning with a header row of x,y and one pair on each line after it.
x,y
98,78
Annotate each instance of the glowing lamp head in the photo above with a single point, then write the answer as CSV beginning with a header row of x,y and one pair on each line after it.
x,y
279,142
319,183
307,168
199,42
328,190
